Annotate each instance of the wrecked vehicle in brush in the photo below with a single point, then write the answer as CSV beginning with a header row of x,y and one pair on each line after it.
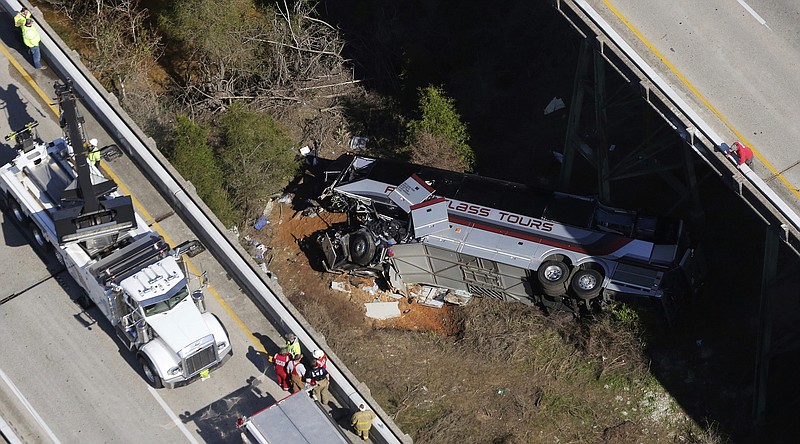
x,y
410,224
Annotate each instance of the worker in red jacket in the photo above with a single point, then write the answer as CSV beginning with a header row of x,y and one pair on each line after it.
x,y
743,152
279,361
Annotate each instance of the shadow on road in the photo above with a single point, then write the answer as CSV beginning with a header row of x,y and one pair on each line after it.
x,y
216,422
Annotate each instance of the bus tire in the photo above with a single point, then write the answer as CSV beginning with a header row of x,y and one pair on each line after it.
x,y
553,274
553,291
586,284
362,248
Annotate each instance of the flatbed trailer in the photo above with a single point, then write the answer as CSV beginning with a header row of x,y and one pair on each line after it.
x,y
295,419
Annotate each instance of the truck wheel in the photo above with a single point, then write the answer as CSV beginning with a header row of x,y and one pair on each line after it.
x,y
150,374
362,248
16,211
38,237
586,284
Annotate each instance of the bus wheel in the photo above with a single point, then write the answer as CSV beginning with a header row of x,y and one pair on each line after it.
x,y
362,248
553,276
586,284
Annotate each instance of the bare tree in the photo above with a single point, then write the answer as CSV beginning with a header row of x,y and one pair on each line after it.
x,y
433,151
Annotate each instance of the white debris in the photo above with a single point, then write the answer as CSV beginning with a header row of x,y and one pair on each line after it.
x,y
457,297
554,105
339,286
382,310
431,296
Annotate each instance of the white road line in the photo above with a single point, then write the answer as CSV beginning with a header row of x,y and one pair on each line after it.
x,y
30,408
175,419
753,13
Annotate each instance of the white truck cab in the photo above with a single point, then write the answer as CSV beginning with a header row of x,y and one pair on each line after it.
x,y
175,338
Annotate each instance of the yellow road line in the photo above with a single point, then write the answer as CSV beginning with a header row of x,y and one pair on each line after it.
x,y
27,77
702,99
110,174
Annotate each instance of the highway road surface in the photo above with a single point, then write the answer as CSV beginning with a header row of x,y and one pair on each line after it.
x,y
63,375
735,62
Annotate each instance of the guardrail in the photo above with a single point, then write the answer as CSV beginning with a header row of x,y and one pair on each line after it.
x,y
180,194
698,134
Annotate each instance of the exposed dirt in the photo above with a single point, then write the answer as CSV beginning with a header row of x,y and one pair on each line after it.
x,y
286,257
488,372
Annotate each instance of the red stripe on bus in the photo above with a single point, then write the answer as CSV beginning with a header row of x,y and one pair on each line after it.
x,y
608,248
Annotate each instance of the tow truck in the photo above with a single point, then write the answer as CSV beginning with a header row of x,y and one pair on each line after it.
x,y
136,280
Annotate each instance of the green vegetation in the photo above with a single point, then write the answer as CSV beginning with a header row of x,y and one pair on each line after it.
x,y
221,39
626,316
256,157
439,132
189,152
252,160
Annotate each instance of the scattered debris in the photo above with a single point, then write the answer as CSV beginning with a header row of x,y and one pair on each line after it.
x,y
430,296
339,286
382,310
554,105
358,143
458,297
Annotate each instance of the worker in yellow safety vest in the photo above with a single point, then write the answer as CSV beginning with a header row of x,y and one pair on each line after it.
x,y
31,38
22,16
93,154
362,421
292,344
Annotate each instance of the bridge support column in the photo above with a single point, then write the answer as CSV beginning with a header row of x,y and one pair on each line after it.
x,y
621,137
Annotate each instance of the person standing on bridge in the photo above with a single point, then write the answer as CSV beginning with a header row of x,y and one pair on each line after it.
x,y
362,421
296,371
321,357
280,360
31,38
744,153
93,153
22,16
321,379
292,344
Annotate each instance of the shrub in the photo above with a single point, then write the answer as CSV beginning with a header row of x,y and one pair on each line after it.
x,y
188,150
256,157
440,119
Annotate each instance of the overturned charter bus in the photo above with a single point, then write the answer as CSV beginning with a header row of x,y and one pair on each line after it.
x,y
411,224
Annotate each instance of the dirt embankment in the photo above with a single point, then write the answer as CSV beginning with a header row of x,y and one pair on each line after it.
x,y
488,372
